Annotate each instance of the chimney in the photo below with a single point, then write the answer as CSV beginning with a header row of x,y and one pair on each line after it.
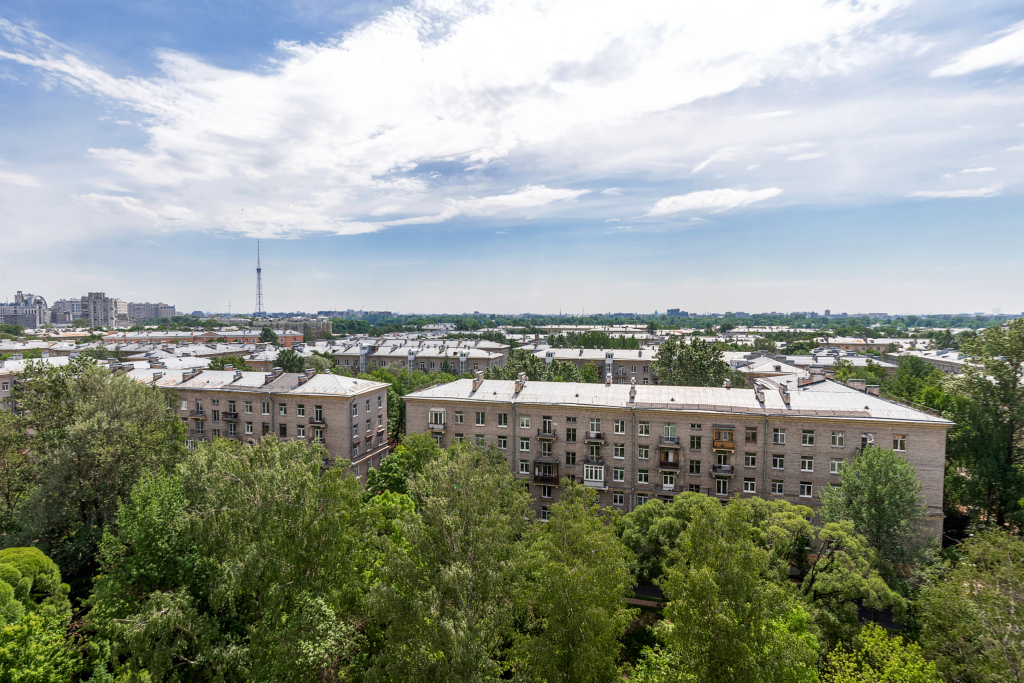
x,y
727,384
632,389
306,376
478,379
759,394
817,377
268,377
238,376
156,376
277,372
872,389
858,384
520,382
784,392
607,378
229,368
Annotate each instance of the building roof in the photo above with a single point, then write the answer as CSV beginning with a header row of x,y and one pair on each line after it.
x,y
230,380
827,400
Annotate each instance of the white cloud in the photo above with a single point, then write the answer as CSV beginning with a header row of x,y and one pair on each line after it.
x,y
724,154
1005,51
166,213
20,179
806,157
529,197
713,200
353,118
956,194
613,191
985,169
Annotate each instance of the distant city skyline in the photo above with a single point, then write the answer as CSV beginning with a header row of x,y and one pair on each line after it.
x,y
511,156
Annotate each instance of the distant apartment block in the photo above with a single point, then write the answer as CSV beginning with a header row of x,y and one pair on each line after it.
x,y
433,355
285,338
633,443
27,310
624,365
141,312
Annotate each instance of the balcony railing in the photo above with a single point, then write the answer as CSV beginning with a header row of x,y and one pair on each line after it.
x,y
723,470
543,433
668,441
595,437
596,483
720,445
318,421
593,459
440,428
229,415
669,464
198,414
545,478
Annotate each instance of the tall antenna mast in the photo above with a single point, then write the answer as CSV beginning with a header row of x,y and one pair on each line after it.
x,y
259,283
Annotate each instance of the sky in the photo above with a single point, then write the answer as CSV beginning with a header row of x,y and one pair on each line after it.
x,y
446,156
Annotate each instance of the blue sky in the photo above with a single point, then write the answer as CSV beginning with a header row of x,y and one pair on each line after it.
x,y
449,156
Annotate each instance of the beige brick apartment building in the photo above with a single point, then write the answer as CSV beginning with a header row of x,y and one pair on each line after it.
x,y
348,416
636,442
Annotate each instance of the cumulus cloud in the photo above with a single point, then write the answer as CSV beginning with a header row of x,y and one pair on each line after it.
x,y
21,179
354,118
166,213
1005,51
712,200
991,191
529,197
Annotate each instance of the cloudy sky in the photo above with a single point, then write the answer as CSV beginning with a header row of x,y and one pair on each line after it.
x,y
449,156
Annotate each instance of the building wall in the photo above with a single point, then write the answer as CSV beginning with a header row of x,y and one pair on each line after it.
x,y
925,449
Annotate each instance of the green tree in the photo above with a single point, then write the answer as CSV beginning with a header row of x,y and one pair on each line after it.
x,y
880,493
267,335
879,658
765,344
519,360
580,586
733,617
246,563
693,364
17,470
36,649
589,374
408,459
236,362
316,361
93,436
987,461
289,360
971,621
447,593
562,371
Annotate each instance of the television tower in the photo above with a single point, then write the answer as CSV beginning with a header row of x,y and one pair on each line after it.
x,y
259,283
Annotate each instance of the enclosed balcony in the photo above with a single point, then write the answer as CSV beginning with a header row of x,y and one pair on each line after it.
x,y
668,464
668,441
722,470
595,437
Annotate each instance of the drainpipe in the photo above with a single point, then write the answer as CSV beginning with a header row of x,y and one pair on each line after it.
x,y
632,482
764,458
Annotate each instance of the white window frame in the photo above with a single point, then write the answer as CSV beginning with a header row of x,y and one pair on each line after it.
x,y
778,462
899,443
806,489
524,444
643,452
524,421
835,465
503,442
481,417
778,487
618,474
643,428
300,431
806,464
779,436
619,427
807,437
750,459
643,476
749,485
619,451
617,498
838,439
503,420
459,418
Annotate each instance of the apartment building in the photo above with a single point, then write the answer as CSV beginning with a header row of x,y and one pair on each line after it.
x,y
348,416
634,442
950,361
458,356
99,310
624,365
286,338
140,312
856,343
27,310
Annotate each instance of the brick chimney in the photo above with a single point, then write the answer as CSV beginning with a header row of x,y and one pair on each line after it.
x,y
520,382
478,379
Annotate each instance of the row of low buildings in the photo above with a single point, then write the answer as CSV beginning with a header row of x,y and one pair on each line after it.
x,y
96,308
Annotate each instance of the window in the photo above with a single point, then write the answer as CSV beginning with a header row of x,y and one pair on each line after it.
x,y
480,440
479,419
644,452
620,450
693,488
190,444
380,402
749,460
633,370
838,439
232,429
231,406
6,386
643,477
618,474
806,489
369,426
458,438
282,410
436,418
459,417
835,466
546,425
216,416
722,486
806,464
751,435
367,405
380,420
503,442
184,405
641,498
300,431
266,429
545,491
248,427
503,419
777,489
318,413
524,444
544,513
779,436
282,431
355,409
749,485
668,479
524,421
355,452
199,427
695,467
248,407
694,426
670,430
570,420
619,427
266,408
694,443
570,435
778,462
595,450
355,430
593,473
595,424
570,458
807,437
899,442
644,428
617,498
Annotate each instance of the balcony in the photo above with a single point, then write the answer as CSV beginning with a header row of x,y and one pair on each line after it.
x,y
668,464
595,437
722,445
317,422
599,484
229,415
546,434
198,414
668,441
593,459
545,478
723,470
436,428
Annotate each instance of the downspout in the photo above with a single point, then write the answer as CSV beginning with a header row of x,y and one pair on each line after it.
x,y
764,457
632,481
